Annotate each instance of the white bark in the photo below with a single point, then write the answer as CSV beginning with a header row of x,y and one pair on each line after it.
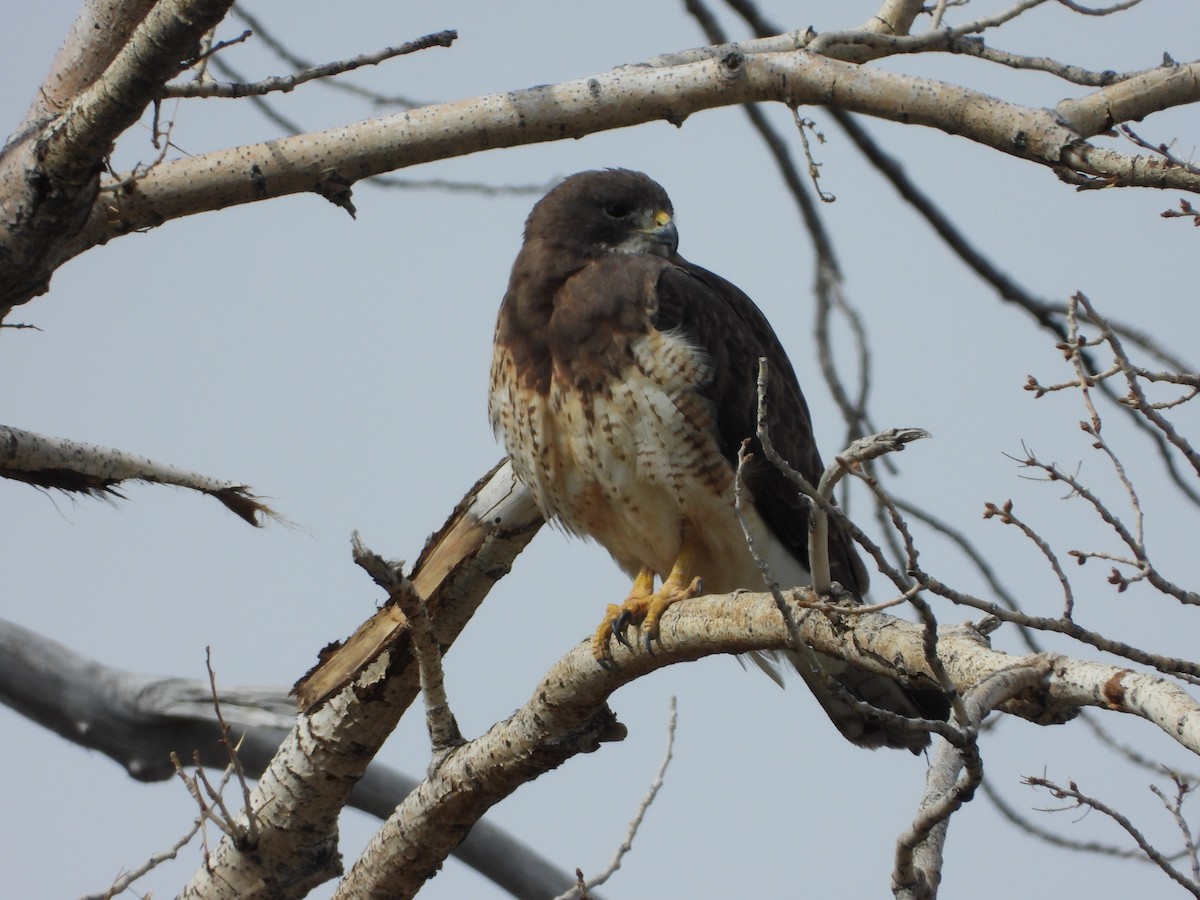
x,y
74,466
329,162
300,795
634,95
139,720
567,713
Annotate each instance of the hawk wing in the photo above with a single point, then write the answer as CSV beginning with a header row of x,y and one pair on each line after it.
x,y
719,319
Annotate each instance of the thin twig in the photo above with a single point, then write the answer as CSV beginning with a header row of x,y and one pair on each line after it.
x,y
277,46
1174,806
917,43
225,825
1015,818
1080,800
1137,395
1004,513
1145,567
977,559
286,83
581,890
803,126
235,761
123,882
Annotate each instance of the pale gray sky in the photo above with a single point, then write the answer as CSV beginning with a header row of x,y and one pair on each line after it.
x,y
339,367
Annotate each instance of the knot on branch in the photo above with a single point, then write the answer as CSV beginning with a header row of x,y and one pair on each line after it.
x,y
336,188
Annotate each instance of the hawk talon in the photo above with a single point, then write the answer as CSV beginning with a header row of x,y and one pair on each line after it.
x,y
620,623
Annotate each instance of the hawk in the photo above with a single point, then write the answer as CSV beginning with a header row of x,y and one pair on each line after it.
x,y
623,383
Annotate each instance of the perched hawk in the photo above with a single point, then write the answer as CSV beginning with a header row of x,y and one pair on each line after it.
x,y
623,384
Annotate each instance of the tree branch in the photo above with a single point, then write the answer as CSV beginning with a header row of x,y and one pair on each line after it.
x,y
365,685
49,175
567,713
619,98
138,720
65,465
286,83
99,32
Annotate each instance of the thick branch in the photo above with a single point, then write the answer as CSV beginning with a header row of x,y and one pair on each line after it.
x,y
567,713
156,51
49,176
497,508
300,795
99,32
630,95
139,720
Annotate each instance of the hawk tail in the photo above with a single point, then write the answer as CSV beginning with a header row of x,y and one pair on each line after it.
x,y
880,691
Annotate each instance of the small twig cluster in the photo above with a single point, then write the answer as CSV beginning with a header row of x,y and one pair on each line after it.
x,y
1079,800
242,830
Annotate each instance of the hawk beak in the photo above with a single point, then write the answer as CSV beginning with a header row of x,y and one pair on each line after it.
x,y
661,230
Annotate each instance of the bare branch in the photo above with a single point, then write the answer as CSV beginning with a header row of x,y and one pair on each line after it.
x,y
97,35
170,32
444,733
286,83
67,465
1004,513
619,98
1080,799
567,712
954,774
266,35
357,693
230,745
583,889
1174,806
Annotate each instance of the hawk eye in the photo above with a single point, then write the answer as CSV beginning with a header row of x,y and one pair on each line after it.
x,y
617,210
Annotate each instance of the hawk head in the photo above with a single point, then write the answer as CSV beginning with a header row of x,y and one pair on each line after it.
x,y
602,212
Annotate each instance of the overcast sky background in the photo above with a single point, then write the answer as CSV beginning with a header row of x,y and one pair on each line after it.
x,y
339,367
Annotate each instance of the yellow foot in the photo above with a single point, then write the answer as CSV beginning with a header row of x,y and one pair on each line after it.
x,y
644,607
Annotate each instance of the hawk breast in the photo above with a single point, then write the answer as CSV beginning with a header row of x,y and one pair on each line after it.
x,y
618,443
